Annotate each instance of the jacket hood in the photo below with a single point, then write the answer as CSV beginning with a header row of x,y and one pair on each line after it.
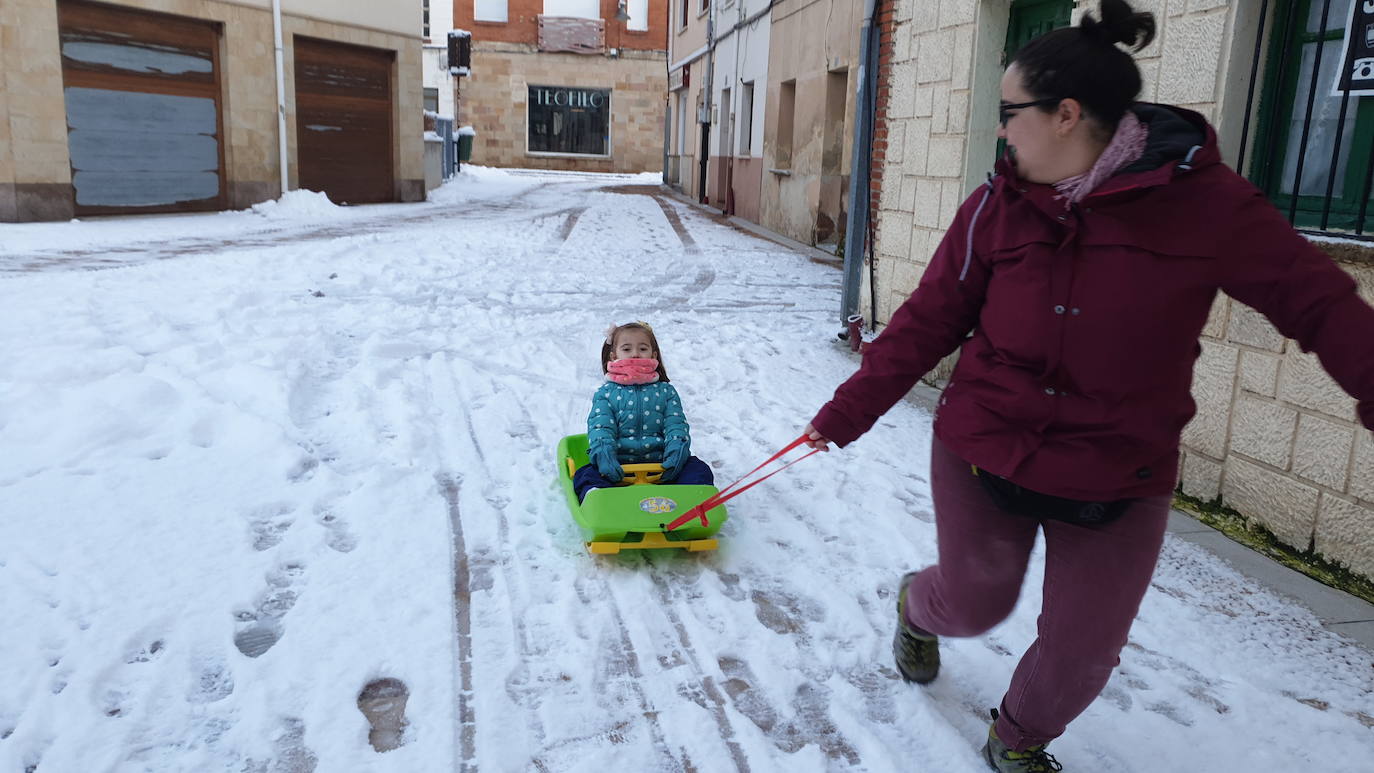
x,y
1174,132
1179,139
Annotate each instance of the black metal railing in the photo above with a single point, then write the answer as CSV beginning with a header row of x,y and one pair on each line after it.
x,y
1313,149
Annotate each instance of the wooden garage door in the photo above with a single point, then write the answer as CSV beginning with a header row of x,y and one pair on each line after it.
x,y
343,121
143,110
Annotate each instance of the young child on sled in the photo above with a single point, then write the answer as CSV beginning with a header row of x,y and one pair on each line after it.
x,y
636,416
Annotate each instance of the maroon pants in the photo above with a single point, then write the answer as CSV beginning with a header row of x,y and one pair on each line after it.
x,y
1095,577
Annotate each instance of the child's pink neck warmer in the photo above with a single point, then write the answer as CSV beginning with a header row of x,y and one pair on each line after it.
x,y
632,370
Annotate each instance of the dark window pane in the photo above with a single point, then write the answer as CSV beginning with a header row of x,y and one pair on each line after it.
x,y
569,120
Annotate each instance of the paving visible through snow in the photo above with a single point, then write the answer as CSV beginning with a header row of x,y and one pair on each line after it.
x,y
254,463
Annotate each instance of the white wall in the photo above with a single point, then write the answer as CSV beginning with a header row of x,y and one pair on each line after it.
x,y
435,58
741,58
398,16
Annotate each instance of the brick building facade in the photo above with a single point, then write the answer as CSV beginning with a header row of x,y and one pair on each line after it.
x,y
564,84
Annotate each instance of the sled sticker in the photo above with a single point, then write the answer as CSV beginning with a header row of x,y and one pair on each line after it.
x,y
657,505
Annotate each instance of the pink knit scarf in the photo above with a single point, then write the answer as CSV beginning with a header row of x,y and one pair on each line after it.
x,y
1126,147
632,370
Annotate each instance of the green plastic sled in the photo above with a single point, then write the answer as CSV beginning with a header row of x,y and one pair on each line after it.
x,y
633,516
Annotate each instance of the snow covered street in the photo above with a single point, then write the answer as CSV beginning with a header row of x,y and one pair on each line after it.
x,y
252,461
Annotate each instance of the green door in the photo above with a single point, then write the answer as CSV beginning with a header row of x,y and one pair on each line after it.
x,y
1029,20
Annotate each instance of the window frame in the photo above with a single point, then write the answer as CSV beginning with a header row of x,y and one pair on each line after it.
x,y
529,123
477,19
1283,94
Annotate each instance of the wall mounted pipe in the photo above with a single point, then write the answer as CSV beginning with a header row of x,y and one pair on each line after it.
x,y
281,97
856,228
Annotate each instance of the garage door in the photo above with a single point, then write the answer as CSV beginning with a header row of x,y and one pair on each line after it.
x,y
143,110
343,121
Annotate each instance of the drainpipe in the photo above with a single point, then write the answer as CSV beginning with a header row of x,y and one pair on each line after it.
x,y
281,96
708,85
856,228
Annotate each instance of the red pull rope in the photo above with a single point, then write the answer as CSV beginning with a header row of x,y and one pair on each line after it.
x,y
720,497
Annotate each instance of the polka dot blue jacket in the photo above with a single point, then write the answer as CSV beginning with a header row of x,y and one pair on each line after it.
x,y
638,418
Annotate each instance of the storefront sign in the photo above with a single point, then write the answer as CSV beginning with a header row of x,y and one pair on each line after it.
x,y
679,78
552,96
1356,74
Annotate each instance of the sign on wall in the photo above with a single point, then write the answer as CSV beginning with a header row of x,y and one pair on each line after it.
x,y
564,119
1356,74
680,77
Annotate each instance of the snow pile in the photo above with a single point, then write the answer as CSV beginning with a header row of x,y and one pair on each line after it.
x,y
300,204
474,182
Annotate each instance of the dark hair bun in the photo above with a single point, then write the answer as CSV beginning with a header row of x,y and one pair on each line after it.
x,y
1120,24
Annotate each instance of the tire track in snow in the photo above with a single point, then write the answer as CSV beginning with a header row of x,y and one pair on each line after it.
x,y
449,485
689,244
629,663
704,682
523,690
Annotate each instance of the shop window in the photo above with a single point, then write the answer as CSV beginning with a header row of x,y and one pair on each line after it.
x,y
569,120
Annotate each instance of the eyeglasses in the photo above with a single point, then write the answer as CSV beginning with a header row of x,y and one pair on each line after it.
x,y
1003,116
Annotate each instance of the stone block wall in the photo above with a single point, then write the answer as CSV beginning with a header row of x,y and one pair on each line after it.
x,y
1274,437
942,89
35,170
494,100
1277,439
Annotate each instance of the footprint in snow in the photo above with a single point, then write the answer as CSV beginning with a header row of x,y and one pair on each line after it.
x,y
291,753
784,613
261,628
268,523
383,702
211,680
117,692
339,538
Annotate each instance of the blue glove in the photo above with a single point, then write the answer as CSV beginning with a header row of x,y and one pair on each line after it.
x,y
675,454
603,456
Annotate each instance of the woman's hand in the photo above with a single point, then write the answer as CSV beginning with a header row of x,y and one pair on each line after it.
x,y
815,439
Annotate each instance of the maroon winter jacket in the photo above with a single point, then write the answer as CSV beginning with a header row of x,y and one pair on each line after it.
x,y
1079,327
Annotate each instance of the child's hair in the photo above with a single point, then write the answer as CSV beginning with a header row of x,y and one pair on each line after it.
x,y
614,331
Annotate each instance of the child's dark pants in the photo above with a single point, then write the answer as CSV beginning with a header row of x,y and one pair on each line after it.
x,y
694,472
1095,578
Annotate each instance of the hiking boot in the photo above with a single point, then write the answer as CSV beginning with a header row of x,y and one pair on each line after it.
x,y
1003,760
916,652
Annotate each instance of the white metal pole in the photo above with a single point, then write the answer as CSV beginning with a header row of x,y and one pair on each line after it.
x,y
281,96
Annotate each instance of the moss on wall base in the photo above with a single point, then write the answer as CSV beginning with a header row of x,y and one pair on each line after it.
x,y
1216,514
